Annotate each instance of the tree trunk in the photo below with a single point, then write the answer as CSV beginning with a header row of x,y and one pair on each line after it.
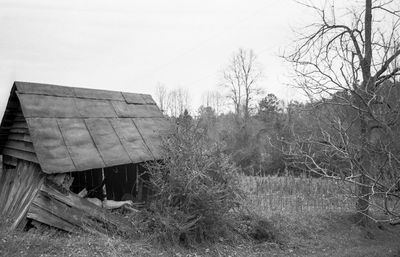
x,y
364,189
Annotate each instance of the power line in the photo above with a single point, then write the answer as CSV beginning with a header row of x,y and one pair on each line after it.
x,y
202,43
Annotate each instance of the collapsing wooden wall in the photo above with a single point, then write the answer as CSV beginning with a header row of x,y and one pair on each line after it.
x,y
18,188
26,193
60,208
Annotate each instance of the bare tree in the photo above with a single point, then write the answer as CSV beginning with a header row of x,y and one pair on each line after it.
x,y
161,96
240,78
178,101
213,99
349,60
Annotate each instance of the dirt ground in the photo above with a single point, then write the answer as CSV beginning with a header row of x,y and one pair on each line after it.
x,y
328,235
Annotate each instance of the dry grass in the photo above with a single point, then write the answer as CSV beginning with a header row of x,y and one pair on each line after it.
x,y
313,216
290,195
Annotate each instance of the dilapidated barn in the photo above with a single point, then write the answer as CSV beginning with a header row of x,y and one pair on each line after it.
x,y
98,139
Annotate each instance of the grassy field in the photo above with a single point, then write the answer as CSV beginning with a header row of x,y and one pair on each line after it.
x,y
312,217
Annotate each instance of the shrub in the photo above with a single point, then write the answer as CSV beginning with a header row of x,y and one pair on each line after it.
x,y
195,188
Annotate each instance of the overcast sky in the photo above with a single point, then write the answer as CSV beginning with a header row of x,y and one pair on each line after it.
x,y
129,45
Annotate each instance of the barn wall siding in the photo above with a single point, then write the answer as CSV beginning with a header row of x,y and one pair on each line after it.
x,y
19,144
18,187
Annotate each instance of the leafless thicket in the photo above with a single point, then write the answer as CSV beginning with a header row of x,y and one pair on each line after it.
x,y
172,102
213,99
348,63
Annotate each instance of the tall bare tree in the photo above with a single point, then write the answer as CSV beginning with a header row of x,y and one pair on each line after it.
x,y
213,99
349,59
161,96
240,77
178,101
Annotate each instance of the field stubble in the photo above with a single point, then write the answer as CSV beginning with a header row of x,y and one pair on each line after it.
x,y
288,195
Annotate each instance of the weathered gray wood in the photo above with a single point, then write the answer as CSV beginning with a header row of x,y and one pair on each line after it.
x,y
80,145
4,187
9,160
70,214
19,124
19,188
27,199
89,208
20,145
1,165
107,142
27,179
28,156
20,118
49,145
19,131
8,191
20,137
43,216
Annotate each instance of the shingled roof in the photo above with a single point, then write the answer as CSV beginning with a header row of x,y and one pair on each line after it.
x,y
76,129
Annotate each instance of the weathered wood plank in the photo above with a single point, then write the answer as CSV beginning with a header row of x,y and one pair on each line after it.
x,y
1,167
19,130
28,156
4,183
82,204
33,185
21,119
14,191
43,216
20,137
26,175
19,188
9,160
7,190
19,124
27,200
20,145
70,214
